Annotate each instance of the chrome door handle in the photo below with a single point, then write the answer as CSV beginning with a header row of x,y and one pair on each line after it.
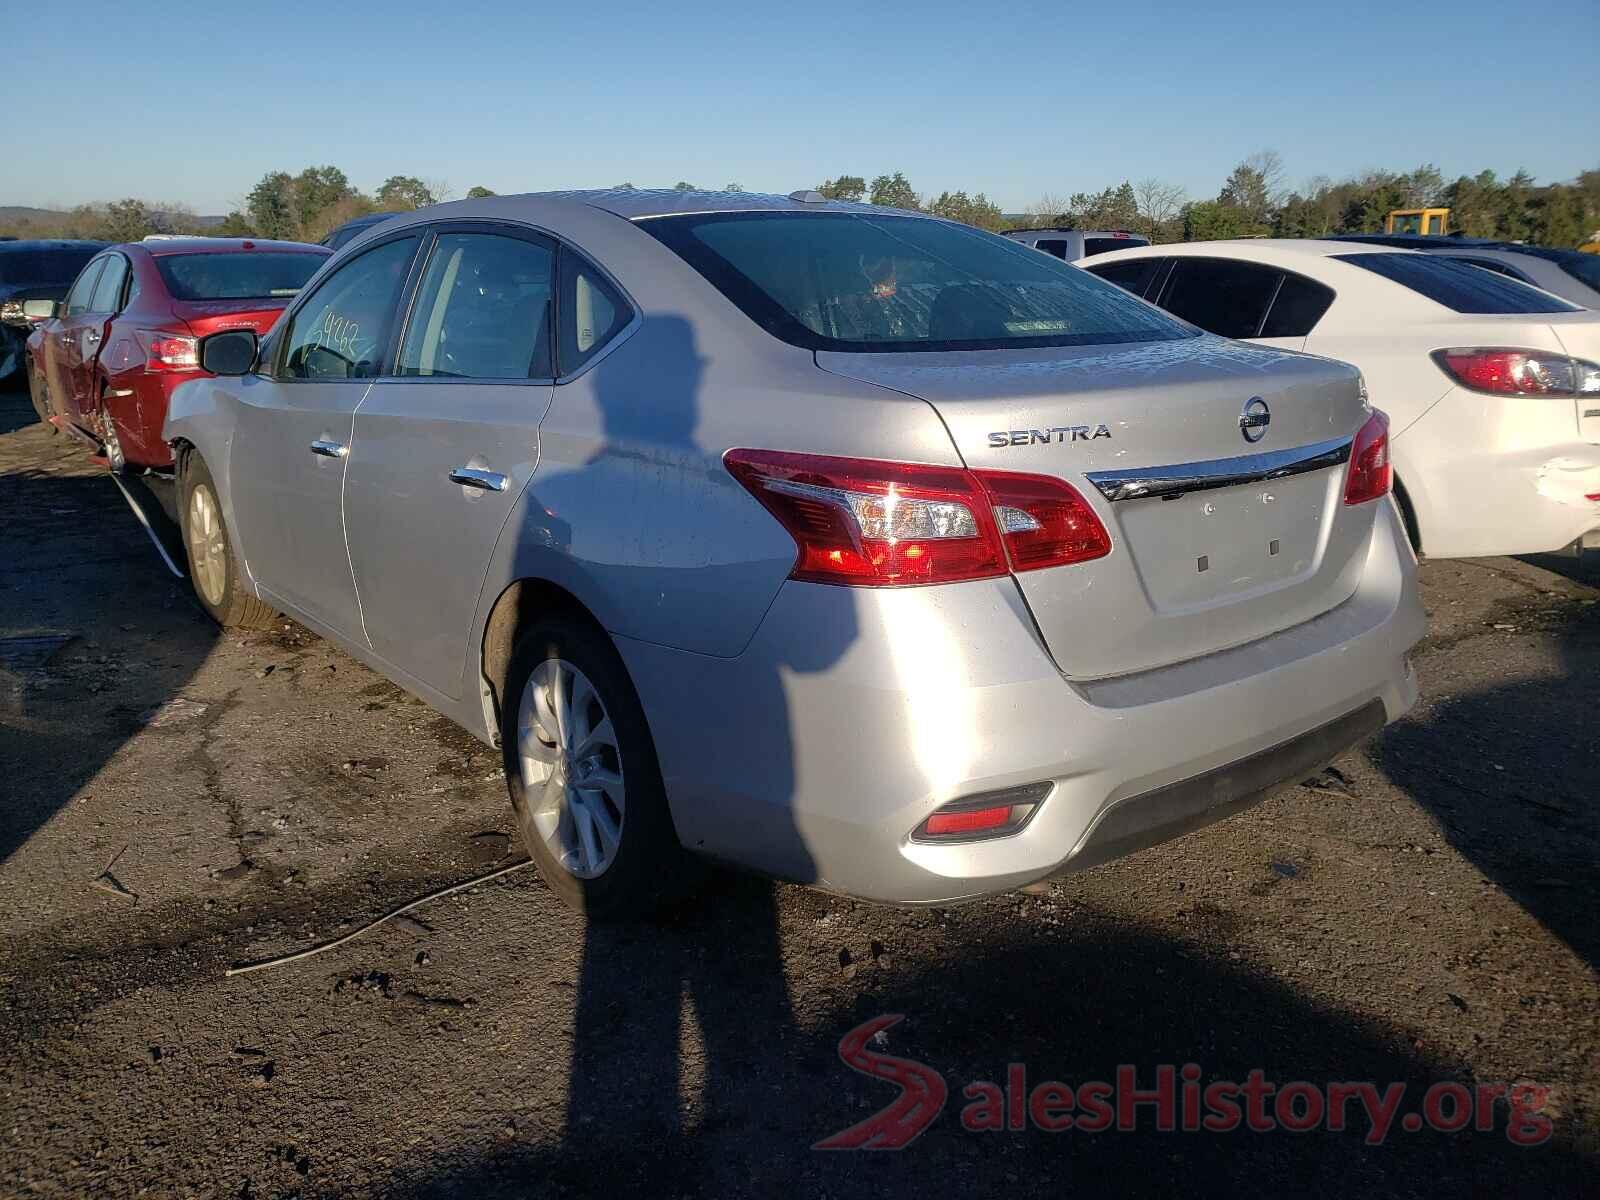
x,y
329,448
91,337
488,481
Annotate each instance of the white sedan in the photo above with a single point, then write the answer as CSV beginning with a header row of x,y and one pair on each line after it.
x,y
1492,386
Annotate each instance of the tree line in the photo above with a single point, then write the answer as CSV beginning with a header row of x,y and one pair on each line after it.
x,y
1254,201
305,207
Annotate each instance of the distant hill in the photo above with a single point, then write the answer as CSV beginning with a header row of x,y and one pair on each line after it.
x,y
16,214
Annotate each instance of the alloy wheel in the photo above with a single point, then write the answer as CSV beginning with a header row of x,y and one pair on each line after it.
x,y
571,769
208,547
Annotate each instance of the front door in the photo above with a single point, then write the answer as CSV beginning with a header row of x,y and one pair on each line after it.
x,y
445,445
293,440
66,338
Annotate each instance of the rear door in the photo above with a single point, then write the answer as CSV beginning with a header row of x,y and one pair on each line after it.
x,y
1151,434
293,436
444,446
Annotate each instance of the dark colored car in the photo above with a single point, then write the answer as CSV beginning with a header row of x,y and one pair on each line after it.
x,y
352,229
33,270
107,358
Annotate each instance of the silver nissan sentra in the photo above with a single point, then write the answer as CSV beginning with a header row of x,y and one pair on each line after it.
x,y
849,545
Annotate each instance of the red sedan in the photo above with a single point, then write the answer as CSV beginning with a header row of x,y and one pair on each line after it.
x,y
128,332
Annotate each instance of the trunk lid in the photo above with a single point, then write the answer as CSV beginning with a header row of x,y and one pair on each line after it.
x,y
1192,570
213,316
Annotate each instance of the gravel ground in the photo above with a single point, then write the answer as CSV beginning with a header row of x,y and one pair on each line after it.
x,y
177,800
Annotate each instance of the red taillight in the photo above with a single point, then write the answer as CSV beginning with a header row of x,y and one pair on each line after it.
x,y
1370,473
168,351
1512,372
868,523
1043,521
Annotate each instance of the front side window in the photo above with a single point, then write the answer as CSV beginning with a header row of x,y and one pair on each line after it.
x,y
82,293
592,311
1220,295
1458,286
865,282
245,275
482,310
342,331
1054,247
108,291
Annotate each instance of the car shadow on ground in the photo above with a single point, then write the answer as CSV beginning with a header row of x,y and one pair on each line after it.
x,y
1536,832
91,625
739,1114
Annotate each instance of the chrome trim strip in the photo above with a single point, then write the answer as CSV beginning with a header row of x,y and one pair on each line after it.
x,y
1173,481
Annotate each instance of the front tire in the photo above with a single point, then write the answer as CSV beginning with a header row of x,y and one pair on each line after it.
x,y
213,565
583,776
38,396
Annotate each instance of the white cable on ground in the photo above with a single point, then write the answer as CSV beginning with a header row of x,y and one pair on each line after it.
x,y
355,933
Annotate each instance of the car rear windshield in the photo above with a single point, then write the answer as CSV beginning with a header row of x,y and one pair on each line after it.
x,y
863,282
259,275
25,268
1459,285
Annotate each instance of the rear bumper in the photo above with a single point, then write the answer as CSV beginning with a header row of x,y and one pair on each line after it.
x,y
854,713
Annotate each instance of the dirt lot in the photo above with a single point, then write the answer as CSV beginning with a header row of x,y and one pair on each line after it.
x,y
177,800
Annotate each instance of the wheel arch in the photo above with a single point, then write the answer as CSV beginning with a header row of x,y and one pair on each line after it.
x,y
521,602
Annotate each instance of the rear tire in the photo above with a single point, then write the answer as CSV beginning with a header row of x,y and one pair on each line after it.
x,y
584,780
214,568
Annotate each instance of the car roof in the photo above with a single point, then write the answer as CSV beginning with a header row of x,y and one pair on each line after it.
x,y
634,204
1088,233
1280,251
219,245
33,245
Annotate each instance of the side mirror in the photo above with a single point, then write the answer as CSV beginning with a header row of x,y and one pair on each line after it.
x,y
37,311
231,352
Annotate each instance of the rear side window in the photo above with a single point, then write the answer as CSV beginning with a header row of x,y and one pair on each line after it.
x,y
1100,245
482,310
247,275
1052,246
592,312
343,329
884,284
1135,276
1221,296
1458,286
1297,307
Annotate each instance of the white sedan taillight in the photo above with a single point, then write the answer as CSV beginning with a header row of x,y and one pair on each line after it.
x,y
1508,372
867,523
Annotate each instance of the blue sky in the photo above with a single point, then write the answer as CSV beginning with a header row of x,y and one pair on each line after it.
x,y
194,103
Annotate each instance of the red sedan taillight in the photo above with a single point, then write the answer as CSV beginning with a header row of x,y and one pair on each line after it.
x,y
866,523
1370,473
168,351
